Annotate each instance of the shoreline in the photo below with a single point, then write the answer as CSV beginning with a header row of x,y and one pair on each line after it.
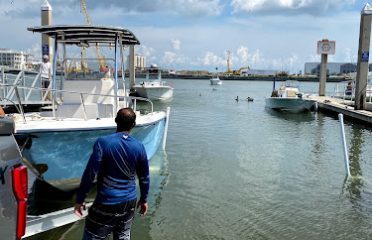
x,y
246,78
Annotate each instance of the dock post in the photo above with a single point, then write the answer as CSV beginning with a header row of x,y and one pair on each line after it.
x,y
323,74
363,57
324,48
346,154
132,70
46,19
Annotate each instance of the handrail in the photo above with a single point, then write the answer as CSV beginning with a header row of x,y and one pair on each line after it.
x,y
342,93
10,94
20,80
20,104
127,98
32,85
3,81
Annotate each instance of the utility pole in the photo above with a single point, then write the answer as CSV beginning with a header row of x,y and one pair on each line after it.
x,y
363,58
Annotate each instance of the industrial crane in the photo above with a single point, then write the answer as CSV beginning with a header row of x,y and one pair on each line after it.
x,y
88,21
229,71
239,71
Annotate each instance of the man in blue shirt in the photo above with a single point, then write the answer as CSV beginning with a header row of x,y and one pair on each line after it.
x,y
115,161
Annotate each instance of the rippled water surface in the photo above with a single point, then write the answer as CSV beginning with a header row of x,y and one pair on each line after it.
x,y
235,170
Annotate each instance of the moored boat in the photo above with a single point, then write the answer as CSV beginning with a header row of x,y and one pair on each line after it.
x,y
153,87
56,144
288,98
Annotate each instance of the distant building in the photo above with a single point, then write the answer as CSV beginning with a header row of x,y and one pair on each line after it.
x,y
348,68
258,72
333,68
139,62
15,59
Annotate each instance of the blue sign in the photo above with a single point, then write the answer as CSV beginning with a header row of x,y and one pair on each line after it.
x,y
365,56
45,49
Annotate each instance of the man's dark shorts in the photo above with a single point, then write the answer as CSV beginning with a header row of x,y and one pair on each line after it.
x,y
45,82
102,220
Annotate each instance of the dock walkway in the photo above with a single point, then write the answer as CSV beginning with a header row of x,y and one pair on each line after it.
x,y
336,105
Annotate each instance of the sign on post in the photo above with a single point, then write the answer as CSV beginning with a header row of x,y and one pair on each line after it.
x,y
326,47
45,49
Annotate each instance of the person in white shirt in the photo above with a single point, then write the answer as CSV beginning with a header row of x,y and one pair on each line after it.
x,y
46,74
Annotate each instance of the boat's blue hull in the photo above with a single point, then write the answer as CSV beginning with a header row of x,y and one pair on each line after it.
x,y
61,157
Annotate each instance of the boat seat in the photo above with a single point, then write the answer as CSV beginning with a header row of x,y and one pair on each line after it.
x,y
103,86
291,93
92,110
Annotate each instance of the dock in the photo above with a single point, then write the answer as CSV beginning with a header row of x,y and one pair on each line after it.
x,y
336,106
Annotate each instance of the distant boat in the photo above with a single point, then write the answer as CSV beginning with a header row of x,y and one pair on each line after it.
x,y
288,98
215,80
153,87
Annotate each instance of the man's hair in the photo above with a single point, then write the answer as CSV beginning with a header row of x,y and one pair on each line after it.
x,y
125,119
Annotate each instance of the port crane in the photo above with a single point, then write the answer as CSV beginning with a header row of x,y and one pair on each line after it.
x,y
239,71
88,20
229,70
228,61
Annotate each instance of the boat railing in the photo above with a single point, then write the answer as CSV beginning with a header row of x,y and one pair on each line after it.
x,y
22,79
129,101
342,91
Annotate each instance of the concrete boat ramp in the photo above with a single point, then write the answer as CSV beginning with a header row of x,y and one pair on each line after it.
x,y
336,106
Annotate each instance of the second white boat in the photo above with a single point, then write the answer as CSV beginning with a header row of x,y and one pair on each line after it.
x,y
153,87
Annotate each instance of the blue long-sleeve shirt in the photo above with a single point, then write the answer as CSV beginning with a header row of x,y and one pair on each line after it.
x,y
115,161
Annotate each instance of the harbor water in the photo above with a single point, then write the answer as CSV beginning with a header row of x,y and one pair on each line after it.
x,y
235,170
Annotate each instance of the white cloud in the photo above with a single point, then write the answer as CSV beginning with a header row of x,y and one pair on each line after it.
x,y
212,60
242,53
172,59
349,56
195,7
256,58
314,7
169,58
145,51
176,43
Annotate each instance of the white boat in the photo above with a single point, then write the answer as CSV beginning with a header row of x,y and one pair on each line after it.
x,y
215,81
288,98
57,144
153,87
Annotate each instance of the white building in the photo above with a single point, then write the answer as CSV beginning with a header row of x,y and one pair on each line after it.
x,y
139,62
15,59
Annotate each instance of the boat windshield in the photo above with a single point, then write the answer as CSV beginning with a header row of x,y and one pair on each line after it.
x,y
153,74
292,83
89,69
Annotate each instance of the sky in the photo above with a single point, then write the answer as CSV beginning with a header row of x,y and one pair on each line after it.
x,y
199,34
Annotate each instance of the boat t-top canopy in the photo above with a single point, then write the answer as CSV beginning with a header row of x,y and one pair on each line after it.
x,y
87,35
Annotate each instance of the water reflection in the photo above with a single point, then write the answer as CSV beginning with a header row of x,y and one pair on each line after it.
x,y
291,117
159,176
355,185
319,142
